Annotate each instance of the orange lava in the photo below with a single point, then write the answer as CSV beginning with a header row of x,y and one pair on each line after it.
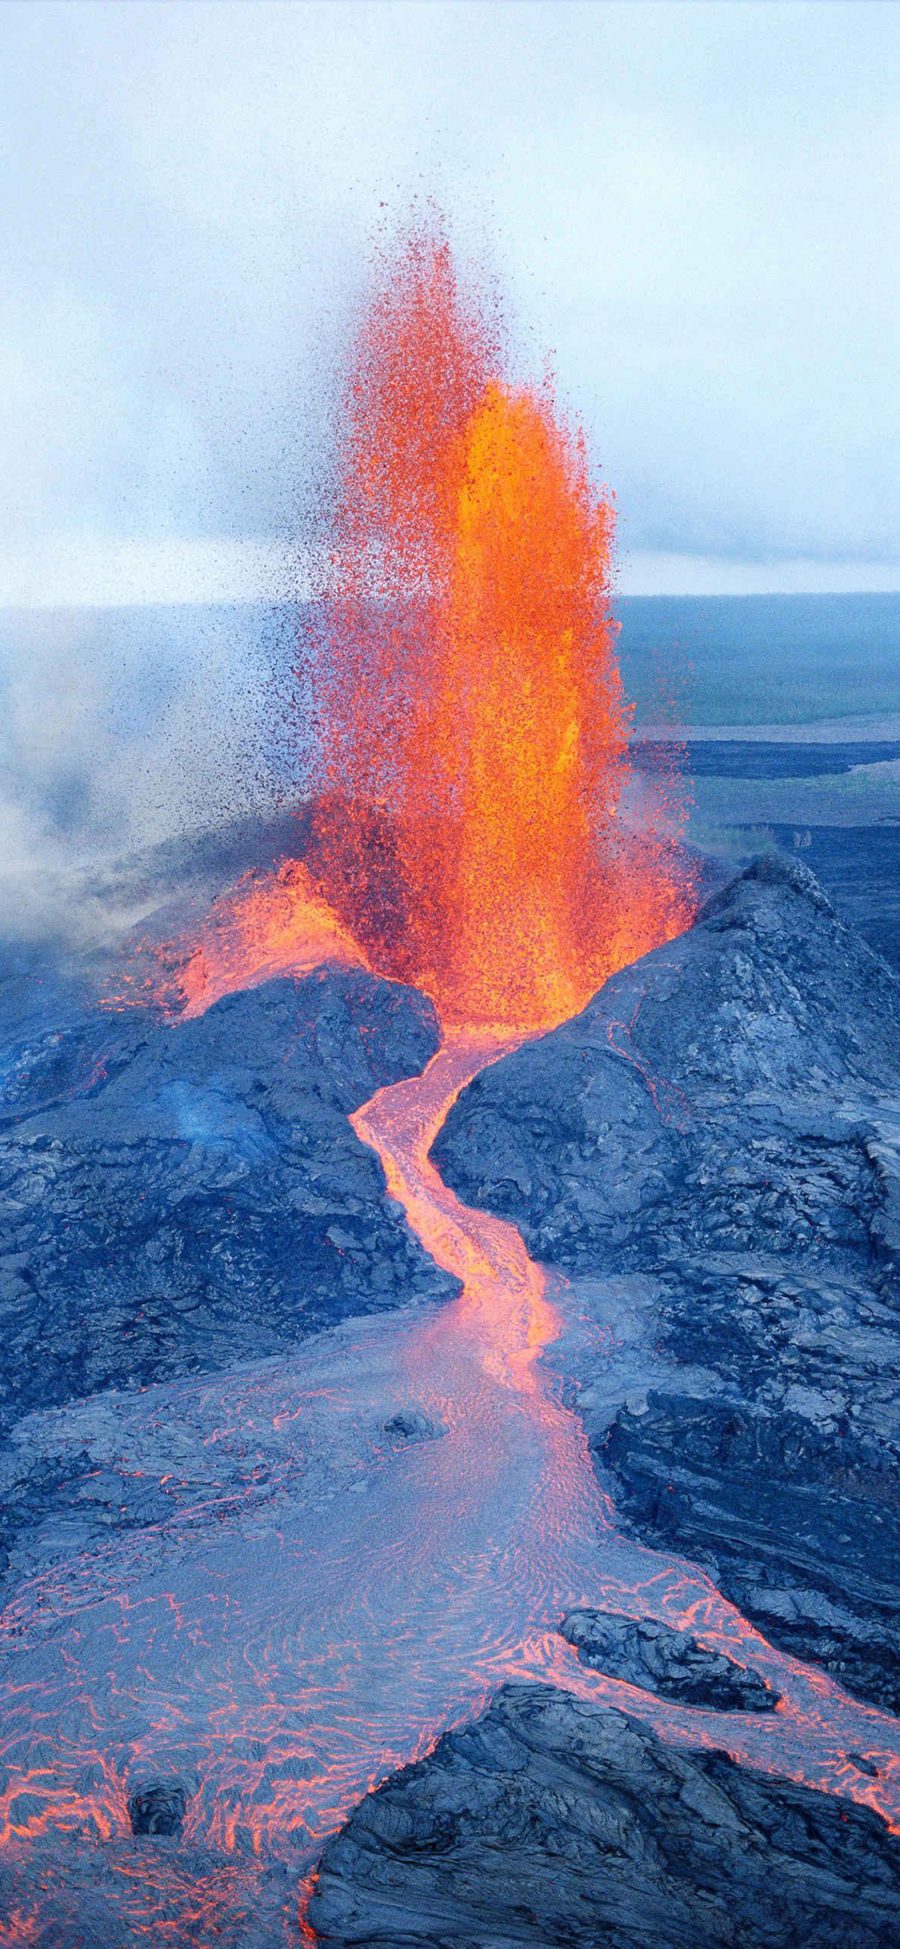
x,y
504,1298
476,827
294,1669
530,728
475,831
469,697
268,925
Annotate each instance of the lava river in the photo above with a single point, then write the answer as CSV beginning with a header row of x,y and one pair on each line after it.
x,y
282,1646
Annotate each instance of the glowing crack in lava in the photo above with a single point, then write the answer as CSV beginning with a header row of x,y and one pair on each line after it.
x,y
475,823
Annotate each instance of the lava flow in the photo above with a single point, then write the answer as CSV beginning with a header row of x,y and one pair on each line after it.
x,y
285,1647
324,1604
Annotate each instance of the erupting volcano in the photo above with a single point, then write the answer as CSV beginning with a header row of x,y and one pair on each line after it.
x,y
474,823
312,1479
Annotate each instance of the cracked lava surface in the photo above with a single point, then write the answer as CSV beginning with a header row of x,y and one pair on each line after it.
x,y
283,1646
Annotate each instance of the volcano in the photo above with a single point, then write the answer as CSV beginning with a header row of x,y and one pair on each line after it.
x,y
292,1486
450,1298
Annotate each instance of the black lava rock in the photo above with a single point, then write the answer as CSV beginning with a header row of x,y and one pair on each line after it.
x,y
181,1198
549,1822
722,1120
158,1809
410,1425
177,1198
671,1663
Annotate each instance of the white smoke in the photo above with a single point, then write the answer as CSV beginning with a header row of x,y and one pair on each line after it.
x,y
122,731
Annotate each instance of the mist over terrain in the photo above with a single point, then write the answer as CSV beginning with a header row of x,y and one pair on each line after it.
x,y
125,730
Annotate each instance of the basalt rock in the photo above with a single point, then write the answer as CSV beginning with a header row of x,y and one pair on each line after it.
x,y
723,1121
158,1809
411,1425
549,1822
176,1198
671,1663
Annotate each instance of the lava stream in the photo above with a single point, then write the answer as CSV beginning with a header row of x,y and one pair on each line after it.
x,y
811,1735
287,1652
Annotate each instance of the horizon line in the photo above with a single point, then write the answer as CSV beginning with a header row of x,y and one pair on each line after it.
x,y
90,572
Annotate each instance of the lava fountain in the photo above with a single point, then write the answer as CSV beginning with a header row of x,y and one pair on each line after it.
x,y
473,826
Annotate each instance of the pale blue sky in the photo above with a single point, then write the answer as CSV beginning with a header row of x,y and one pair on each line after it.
x,y
694,205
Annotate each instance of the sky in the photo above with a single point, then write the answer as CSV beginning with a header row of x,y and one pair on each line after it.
x,y
692,207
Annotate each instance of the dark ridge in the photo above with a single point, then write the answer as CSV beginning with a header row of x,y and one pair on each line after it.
x,y
722,1122
550,1822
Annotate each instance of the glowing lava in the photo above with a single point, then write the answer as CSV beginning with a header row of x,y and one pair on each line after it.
x,y
475,827
467,682
326,1606
268,925
294,1634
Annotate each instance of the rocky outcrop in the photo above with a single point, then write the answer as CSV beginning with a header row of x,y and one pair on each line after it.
x,y
178,1198
723,1121
551,1823
158,1809
411,1425
669,1662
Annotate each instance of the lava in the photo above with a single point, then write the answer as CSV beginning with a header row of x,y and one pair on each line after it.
x,y
475,823
287,1645
466,678
287,1649
266,925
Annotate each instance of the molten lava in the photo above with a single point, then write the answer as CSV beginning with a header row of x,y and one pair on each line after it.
x,y
467,685
267,926
288,1638
475,827
320,1608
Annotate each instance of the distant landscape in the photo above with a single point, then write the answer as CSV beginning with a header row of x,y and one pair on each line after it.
x,y
805,661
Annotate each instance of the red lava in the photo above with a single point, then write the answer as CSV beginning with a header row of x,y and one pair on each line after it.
x,y
285,1657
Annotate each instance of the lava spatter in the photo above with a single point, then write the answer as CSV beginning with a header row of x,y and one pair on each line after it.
x,y
467,680
475,828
